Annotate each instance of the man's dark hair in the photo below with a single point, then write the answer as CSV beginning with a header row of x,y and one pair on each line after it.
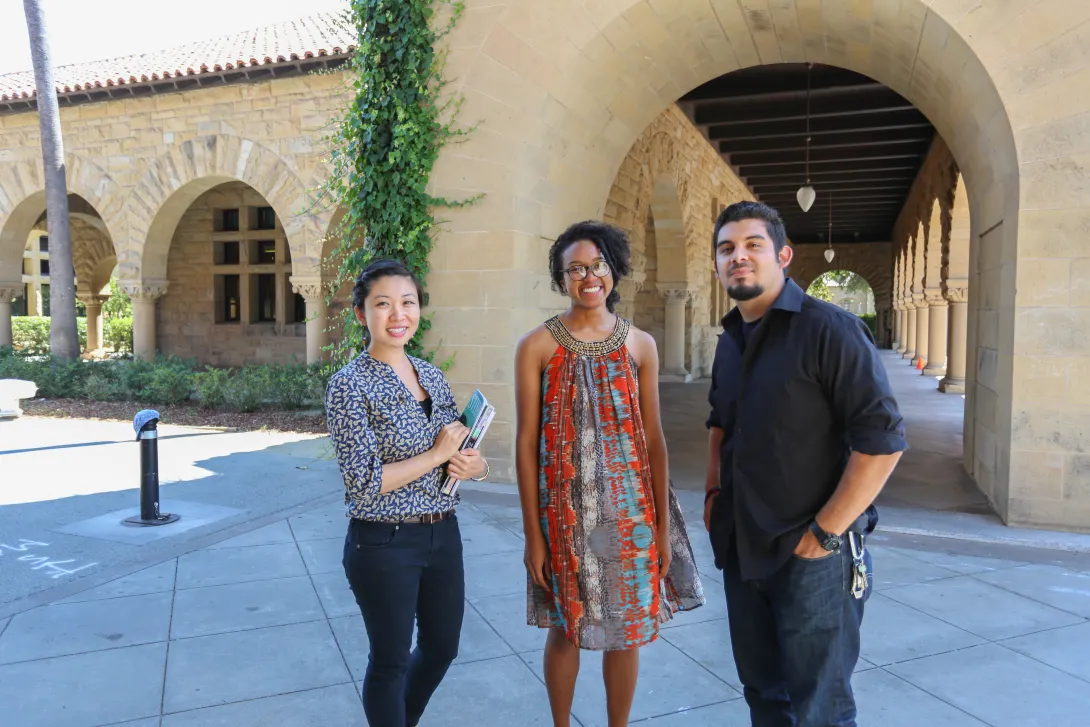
x,y
382,268
611,242
752,211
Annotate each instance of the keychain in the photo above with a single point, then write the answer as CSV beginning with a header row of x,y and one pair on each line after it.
x,y
859,568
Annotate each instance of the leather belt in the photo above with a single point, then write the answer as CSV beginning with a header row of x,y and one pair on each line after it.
x,y
429,519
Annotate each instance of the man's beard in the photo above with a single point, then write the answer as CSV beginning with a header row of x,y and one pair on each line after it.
x,y
742,293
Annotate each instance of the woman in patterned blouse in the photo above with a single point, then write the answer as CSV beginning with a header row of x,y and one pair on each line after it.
x,y
394,425
607,556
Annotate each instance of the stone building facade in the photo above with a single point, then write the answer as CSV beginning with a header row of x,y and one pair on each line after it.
x,y
578,120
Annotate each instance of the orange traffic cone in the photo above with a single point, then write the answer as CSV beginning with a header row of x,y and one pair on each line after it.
x,y
920,364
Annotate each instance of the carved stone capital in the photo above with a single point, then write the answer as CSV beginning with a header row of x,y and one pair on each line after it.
x,y
144,291
311,290
934,298
957,295
675,295
90,300
7,292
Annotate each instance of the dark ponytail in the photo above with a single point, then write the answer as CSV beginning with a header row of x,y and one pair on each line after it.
x,y
381,268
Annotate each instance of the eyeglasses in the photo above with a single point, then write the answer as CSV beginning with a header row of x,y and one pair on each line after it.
x,y
599,269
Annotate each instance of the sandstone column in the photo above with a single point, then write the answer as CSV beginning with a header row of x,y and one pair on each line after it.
x,y
898,324
936,335
145,343
954,382
674,356
908,349
922,321
93,304
317,315
7,292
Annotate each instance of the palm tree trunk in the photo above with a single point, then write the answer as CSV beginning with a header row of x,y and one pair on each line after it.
x,y
63,337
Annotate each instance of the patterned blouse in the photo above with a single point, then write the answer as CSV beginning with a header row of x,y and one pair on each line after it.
x,y
374,420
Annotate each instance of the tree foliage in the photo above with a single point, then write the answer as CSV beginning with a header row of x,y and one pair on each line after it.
x,y
845,280
385,147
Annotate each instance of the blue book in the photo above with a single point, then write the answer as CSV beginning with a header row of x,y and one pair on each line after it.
x,y
477,416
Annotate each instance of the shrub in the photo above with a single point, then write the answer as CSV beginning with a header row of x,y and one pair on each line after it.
x,y
248,389
871,319
291,386
30,334
117,333
212,387
102,384
171,382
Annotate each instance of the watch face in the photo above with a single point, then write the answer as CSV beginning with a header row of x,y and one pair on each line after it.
x,y
833,545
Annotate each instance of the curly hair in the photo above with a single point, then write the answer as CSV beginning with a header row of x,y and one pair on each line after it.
x,y
611,242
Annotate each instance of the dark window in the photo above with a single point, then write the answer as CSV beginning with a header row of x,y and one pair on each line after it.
x,y
44,265
266,219
230,301
43,243
266,253
226,253
300,313
266,298
226,220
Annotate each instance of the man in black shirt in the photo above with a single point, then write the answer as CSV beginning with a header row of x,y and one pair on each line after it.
x,y
804,432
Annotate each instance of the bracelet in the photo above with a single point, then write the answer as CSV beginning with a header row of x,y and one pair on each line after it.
x,y
487,469
709,493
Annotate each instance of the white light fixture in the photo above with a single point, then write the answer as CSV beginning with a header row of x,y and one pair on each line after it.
x,y
829,252
806,195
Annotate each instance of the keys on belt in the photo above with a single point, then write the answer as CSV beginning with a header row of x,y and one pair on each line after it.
x,y
859,567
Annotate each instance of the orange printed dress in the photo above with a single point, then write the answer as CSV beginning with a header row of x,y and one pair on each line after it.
x,y
597,505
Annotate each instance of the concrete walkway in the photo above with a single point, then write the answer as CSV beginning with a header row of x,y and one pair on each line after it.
x,y
261,629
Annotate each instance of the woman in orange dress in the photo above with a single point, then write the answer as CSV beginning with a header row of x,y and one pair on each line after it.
x,y
607,553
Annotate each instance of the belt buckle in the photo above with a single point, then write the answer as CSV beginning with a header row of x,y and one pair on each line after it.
x,y
431,518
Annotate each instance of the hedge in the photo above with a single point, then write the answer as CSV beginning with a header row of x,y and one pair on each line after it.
x,y
170,380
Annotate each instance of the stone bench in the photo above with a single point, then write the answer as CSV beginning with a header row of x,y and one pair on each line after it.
x,y
11,391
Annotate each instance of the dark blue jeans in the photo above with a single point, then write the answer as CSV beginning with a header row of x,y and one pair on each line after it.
x,y
401,574
795,637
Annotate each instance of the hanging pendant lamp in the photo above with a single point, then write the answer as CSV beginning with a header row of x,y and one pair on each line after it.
x,y
806,195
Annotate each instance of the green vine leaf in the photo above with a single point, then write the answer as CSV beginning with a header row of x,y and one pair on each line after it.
x,y
384,149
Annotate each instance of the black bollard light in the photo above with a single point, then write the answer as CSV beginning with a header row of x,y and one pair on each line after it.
x,y
145,423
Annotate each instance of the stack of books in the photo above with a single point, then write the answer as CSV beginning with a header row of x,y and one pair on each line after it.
x,y
477,416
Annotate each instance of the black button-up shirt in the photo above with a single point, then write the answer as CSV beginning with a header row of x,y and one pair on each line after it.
x,y
793,396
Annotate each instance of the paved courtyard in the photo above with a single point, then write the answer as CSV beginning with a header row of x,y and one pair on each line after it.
x,y
261,629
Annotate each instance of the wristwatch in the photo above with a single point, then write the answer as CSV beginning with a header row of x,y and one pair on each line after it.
x,y
830,542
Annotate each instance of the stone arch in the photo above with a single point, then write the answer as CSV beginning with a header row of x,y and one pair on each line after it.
x,y
22,204
955,248
933,243
809,263
571,116
173,181
666,196
93,256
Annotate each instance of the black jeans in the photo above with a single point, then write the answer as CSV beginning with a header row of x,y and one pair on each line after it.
x,y
795,637
401,574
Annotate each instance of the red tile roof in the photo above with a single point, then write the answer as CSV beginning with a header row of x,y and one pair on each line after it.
x,y
324,34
